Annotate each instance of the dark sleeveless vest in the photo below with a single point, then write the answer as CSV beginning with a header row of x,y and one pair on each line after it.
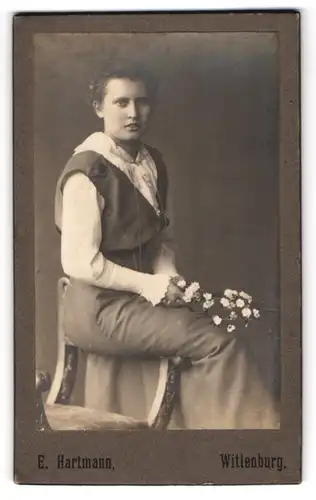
x,y
130,225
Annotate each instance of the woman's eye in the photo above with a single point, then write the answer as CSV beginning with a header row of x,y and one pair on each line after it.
x,y
122,103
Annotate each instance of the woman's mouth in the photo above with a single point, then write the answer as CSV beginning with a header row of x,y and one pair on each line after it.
x,y
133,127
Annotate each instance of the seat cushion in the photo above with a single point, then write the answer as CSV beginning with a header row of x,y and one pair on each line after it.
x,y
74,418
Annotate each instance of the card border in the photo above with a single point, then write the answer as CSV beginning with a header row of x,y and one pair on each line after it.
x,y
131,451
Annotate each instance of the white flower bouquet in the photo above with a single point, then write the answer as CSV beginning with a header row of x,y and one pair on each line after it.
x,y
229,308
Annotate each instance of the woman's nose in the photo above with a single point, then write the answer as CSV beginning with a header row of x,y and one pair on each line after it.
x,y
132,110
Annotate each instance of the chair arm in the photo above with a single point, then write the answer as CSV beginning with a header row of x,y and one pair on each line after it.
x,y
42,384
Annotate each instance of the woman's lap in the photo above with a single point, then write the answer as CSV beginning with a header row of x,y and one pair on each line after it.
x,y
126,324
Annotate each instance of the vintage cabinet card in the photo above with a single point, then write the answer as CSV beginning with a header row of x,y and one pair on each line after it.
x,y
157,248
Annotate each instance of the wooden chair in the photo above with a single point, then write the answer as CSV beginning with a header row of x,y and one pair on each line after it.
x,y
59,414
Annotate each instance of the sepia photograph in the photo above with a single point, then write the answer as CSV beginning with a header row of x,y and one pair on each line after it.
x,y
156,190
157,245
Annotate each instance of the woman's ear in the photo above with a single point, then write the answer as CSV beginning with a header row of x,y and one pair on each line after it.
x,y
98,108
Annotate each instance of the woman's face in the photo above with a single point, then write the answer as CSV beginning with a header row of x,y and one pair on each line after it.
x,y
125,109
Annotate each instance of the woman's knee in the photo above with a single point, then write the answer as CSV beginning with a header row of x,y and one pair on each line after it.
x,y
211,344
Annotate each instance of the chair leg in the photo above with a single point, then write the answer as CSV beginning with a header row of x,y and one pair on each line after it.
x,y
67,357
166,393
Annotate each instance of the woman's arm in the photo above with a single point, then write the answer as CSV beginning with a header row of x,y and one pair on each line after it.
x,y
81,236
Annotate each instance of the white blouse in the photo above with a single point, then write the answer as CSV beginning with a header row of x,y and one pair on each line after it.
x,y
81,225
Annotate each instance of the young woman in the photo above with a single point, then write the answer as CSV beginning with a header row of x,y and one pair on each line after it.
x,y
123,297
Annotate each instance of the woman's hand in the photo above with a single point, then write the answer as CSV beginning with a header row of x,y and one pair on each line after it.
x,y
162,289
179,281
174,295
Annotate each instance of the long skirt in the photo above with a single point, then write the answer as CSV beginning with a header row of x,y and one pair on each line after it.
x,y
222,387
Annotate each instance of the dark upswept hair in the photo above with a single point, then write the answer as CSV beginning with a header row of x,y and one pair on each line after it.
x,y
122,69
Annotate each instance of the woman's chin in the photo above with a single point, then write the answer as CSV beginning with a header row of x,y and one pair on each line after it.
x,y
132,135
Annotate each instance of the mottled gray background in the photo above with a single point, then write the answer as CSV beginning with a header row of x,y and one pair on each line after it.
x,y
216,123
